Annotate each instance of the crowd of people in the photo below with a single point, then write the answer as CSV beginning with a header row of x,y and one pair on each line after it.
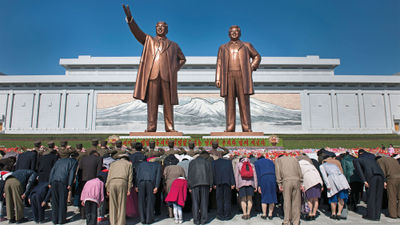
x,y
137,181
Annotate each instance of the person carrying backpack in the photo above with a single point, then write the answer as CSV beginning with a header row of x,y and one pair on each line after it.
x,y
246,184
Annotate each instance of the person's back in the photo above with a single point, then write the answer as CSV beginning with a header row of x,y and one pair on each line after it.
x,y
349,170
120,170
90,165
148,171
390,167
223,172
289,179
287,168
200,172
45,164
119,184
64,171
26,161
367,167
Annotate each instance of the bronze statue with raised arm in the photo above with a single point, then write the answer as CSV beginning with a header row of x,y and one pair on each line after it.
x,y
235,63
156,81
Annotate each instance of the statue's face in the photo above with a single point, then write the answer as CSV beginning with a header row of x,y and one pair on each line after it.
x,y
234,33
161,29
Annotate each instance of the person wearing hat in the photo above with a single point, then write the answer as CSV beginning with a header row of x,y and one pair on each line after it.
x,y
60,182
118,185
103,148
217,150
95,143
37,146
50,147
81,151
118,148
64,150
17,187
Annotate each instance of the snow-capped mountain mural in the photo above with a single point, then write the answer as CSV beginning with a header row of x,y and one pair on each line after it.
x,y
198,115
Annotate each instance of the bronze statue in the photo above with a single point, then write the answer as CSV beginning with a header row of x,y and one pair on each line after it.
x,y
234,77
156,81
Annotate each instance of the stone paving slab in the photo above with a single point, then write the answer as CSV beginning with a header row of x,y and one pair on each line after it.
x,y
323,218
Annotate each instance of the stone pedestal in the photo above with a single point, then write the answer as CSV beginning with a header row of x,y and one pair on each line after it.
x,y
156,134
237,134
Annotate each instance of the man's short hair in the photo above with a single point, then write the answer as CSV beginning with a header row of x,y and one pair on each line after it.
x,y
234,26
73,155
138,146
163,22
94,152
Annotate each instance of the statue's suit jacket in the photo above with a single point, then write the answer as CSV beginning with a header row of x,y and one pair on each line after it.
x,y
173,53
246,51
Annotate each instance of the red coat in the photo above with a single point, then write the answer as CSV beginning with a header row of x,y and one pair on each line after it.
x,y
178,192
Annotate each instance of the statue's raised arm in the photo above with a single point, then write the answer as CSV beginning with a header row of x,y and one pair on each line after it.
x,y
136,31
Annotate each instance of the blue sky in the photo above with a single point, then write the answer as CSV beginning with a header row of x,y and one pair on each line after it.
x,y
364,34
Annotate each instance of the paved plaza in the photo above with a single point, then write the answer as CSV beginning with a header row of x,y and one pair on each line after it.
x,y
323,218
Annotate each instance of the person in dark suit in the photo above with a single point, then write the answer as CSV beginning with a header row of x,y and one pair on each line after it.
x,y
27,160
148,176
88,168
60,182
224,182
38,198
45,164
372,176
200,180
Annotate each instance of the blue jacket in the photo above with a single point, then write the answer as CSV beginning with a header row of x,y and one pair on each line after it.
x,y
26,178
64,171
148,171
223,172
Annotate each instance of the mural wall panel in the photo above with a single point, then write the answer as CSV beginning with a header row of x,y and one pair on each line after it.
x,y
76,111
374,108
321,111
49,111
348,111
22,111
199,113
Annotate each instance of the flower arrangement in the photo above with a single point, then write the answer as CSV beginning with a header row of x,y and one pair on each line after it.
x,y
273,140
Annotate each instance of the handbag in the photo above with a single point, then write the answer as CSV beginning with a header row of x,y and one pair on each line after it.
x,y
305,209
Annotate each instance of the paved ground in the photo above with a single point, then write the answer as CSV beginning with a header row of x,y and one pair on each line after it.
x,y
353,218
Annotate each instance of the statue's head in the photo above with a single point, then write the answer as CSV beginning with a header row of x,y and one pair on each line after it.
x,y
234,32
161,29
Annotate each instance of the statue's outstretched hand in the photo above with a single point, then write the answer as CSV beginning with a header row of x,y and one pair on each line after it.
x,y
127,12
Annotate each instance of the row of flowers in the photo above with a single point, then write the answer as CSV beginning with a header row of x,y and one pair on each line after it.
x,y
274,153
